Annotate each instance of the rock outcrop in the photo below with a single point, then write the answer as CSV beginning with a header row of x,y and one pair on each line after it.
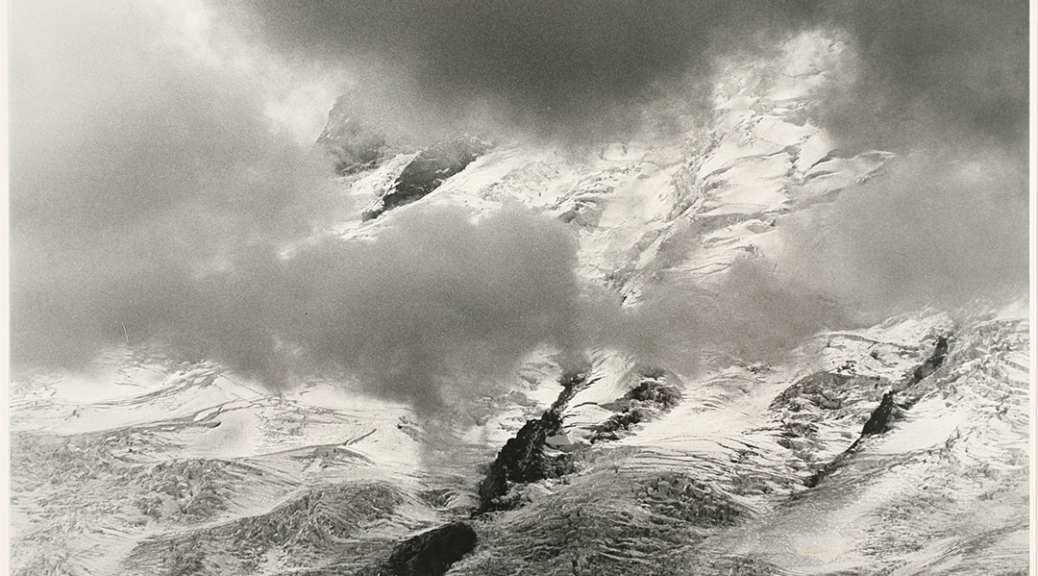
x,y
432,553
522,459
431,168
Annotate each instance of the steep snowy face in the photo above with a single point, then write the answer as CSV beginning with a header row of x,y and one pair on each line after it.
x,y
731,425
681,206
426,172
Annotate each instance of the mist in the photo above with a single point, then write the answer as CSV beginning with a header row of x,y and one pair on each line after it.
x,y
156,201
135,167
435,303
599,70
930,73
164,186
752,315
945,86
941,230
576,70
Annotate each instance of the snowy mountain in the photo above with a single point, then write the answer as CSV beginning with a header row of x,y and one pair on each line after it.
x,y
897,447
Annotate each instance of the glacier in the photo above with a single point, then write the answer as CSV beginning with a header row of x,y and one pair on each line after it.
x,y
734,465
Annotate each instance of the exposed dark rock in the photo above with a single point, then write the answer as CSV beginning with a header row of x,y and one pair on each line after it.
x,y
353,147
879,419
585,212
656,393
432,553
877,423
825,471
827,390
611,428
933,362
522,459
640,404
427,171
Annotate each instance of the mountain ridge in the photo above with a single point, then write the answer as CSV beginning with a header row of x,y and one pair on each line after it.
x,y
167,468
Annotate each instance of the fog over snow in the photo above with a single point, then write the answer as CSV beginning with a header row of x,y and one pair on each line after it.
x,y
163,170
559,287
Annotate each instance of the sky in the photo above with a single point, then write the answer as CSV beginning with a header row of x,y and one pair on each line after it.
x,y
162,159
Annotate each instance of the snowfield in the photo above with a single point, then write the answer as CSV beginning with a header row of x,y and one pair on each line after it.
x,y
149,467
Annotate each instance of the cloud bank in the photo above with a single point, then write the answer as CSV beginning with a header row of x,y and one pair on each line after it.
x,y
597,69
931,72
945,85
936,229
436,302
161,169
134,168
574,69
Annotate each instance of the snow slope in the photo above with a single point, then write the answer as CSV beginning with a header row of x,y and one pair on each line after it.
x,y
145,467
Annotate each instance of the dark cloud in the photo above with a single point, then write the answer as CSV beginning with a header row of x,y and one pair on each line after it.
x,y
435,303
932,71
751,315
944,84
937,229
133,168
153,201
923,70
579,67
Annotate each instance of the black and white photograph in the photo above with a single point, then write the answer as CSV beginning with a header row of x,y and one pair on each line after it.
x,y
519,287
